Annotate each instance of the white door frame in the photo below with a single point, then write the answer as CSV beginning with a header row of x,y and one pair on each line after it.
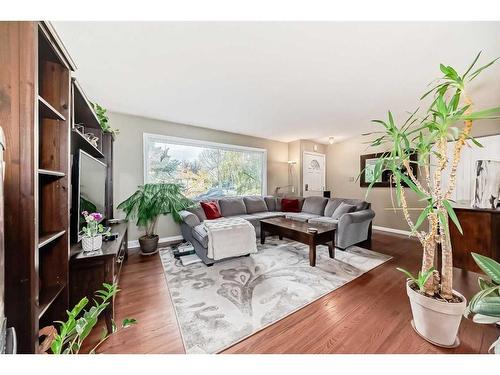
x,y
303,168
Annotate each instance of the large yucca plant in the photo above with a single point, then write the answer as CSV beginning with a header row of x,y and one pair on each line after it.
x,y
449,117
152,200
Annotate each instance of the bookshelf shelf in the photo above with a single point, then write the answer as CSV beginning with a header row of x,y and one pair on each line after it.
x,y
47,111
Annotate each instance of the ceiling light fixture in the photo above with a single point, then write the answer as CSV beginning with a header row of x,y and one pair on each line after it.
x,y
330,140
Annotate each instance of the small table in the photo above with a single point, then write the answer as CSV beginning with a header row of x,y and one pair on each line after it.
x,y
297,231
88,271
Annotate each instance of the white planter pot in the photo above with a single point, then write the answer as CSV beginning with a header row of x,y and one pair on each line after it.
x,y
92,243
436,321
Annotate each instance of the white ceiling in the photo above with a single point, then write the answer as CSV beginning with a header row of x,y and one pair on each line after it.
x,y
278,80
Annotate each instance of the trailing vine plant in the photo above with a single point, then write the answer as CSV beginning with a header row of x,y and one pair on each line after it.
x,y
449,117
103,118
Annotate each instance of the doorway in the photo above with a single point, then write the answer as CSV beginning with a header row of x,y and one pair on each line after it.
x,y
313,173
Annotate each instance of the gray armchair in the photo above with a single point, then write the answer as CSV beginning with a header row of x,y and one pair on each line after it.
x,y
354,227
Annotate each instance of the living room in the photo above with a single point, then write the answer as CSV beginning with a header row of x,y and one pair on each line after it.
x,y
251,187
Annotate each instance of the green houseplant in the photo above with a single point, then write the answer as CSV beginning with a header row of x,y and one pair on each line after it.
x,y
436,307
103,118
484,307
148,203
73,332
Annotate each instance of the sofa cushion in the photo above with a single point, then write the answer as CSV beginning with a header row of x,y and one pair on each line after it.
x,y
255,204
323,220
279,199
200,234
331,205
271,203
269,215
290,205
189,218
300,216
198,211
362,205
314,205
359,203
211,210
342,209
232,206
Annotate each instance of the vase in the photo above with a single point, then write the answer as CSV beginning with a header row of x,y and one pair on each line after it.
x,y
149,244
436,321
92,243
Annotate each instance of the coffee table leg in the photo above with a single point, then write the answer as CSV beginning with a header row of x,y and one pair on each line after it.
x,y
331,249
262,235
312,254
280,237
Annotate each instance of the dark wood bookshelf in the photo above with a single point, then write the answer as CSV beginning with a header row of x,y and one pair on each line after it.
x,y
43,108
47,238
48,172
80,142
37,179
48,296
47,111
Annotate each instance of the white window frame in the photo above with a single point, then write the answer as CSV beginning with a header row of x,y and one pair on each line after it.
x,y
200,143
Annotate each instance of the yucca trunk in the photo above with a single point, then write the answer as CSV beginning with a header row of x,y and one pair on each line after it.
x,y
447,262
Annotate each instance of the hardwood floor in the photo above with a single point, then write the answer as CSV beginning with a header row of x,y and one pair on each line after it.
x,y
368,315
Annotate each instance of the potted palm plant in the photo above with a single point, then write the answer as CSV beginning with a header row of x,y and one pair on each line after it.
x,y
148,203
437,308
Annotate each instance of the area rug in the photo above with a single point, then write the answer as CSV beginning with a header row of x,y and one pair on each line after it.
x,y
219,306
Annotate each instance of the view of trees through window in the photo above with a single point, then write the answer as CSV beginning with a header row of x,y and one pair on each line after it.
x,y
205,171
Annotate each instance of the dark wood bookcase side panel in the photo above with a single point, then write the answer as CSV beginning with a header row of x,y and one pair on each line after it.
x,y
54,84
18,48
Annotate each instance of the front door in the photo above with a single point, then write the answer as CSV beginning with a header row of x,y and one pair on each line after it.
x,y
313,174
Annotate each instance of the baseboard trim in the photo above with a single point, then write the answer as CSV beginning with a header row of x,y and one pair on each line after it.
x,y
135,243
392,230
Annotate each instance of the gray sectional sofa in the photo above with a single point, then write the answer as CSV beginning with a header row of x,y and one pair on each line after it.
x,y
353,219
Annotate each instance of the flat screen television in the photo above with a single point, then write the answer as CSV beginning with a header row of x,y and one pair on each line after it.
x,y
89,189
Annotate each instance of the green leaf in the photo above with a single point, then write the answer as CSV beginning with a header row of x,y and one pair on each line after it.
x,y
422,217
443,220
452,215
471,65
412,185
489,306
489,266
478,71
490,113
484,284
128,322
407,273
475,141
485,319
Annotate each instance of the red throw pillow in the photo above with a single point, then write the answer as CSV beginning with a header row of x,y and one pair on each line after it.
x,y
290,205
211,210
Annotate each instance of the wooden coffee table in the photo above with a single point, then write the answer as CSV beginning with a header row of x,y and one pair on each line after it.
x,y
297,231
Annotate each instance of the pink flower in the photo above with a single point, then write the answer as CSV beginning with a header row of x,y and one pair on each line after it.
x,y
97,216
85,213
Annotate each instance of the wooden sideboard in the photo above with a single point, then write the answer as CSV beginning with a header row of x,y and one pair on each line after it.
x,y
481,228
88,271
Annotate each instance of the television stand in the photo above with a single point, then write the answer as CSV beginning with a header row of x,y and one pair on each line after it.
x,y
88,271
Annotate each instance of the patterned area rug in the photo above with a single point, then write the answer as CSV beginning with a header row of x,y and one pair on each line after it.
x,y
219,306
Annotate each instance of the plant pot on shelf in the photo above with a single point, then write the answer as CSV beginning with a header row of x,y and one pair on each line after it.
x,y
149,244
436,321
91,243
